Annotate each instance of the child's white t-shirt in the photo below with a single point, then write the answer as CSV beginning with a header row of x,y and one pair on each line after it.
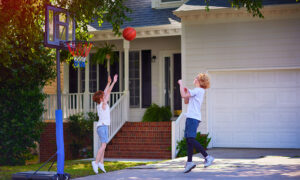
x,y
104,115
195,102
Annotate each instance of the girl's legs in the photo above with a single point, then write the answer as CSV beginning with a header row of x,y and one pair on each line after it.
x,y
100,153
191,142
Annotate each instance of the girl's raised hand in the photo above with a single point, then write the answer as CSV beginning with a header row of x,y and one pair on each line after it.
x,y
115,78
180,82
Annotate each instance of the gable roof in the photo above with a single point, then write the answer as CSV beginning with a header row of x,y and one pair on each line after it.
x,y
215,4
143,15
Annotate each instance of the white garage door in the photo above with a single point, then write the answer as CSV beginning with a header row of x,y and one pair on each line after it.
x,y
255,109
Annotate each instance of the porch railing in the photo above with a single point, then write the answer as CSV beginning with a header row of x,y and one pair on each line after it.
x,y
114,97
73,103
177,133
118,116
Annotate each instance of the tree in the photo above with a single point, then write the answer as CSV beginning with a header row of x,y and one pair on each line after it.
x,y
106,52
26,65
253,6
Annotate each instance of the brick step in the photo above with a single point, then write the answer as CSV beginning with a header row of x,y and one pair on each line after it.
x,y
129,154
147,124
153,148
143,140
144,129
139,144
143,135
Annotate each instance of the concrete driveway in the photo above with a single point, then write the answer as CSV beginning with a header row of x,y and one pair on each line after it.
x,y
229,164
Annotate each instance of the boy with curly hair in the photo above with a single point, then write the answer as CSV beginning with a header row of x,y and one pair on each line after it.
x,y
194,98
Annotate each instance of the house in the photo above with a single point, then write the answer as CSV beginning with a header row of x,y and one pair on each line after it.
x,y
254,65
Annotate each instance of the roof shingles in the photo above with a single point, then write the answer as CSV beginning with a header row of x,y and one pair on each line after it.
x,y
143,15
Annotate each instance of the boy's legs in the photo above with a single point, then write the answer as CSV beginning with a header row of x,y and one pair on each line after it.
x,y
192,142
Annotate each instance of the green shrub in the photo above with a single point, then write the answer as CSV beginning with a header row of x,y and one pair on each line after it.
x,y
21,123
154,113
81,128
203,139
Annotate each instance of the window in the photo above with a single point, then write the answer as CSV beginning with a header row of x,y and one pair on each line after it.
x,y
93,78
82,80
164,1
134,78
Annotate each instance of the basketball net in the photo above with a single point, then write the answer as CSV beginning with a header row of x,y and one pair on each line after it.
x,y
79,50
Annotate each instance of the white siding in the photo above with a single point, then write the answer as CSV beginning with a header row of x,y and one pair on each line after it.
x,y
260,44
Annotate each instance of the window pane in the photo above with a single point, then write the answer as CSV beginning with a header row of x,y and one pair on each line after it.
x,y
163,1
134,78
93,78
82,80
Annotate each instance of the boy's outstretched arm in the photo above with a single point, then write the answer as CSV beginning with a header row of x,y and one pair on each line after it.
x,y
107,94
186,100
183,93
108,83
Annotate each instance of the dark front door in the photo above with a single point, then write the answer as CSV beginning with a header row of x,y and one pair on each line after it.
x,y
176,77
167,81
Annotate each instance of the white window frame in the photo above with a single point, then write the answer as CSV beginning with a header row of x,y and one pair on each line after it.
x,y
140,79
171,2
158,4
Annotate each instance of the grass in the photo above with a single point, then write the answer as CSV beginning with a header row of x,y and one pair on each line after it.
x,y
75,168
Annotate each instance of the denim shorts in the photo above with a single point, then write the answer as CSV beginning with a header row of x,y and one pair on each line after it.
x,y
103,133
191,126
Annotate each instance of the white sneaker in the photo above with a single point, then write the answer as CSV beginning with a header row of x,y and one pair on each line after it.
x,y
189,167
95,167
101,166
208,161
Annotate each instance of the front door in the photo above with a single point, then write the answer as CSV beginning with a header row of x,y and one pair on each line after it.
x,y
172,73
177,105
167,81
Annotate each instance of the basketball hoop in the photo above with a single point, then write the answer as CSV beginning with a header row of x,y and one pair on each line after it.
x,y
79,50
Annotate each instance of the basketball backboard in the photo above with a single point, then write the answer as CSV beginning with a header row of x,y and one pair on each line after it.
x,y
59,27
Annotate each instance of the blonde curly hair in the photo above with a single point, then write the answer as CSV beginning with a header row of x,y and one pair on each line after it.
x,y
204,80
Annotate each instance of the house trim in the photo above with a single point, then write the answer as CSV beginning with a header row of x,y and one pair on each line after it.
x,y
141,32
220,15
158,4
208,98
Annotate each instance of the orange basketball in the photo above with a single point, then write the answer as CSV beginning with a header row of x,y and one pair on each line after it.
x,y
129,33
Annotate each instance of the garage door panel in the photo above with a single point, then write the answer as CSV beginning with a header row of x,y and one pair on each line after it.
x,y
255,109
244,98
266,98
289,98
221,98
288,78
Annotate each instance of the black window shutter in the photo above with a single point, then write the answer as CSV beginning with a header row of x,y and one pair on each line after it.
x,y
102,77
114,69
146,78
73,78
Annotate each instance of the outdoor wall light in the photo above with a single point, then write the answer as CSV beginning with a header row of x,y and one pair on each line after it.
x,y
153,58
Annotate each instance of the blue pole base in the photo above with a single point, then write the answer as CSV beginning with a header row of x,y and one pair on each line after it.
x,y
60,142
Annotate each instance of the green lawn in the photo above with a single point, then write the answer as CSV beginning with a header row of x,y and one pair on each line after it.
x,y
74,167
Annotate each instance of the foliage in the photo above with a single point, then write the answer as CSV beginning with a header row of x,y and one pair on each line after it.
x,y
204,140
81,128
253,7
105,54
21,123
154,113
100,57
26,65
76,168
